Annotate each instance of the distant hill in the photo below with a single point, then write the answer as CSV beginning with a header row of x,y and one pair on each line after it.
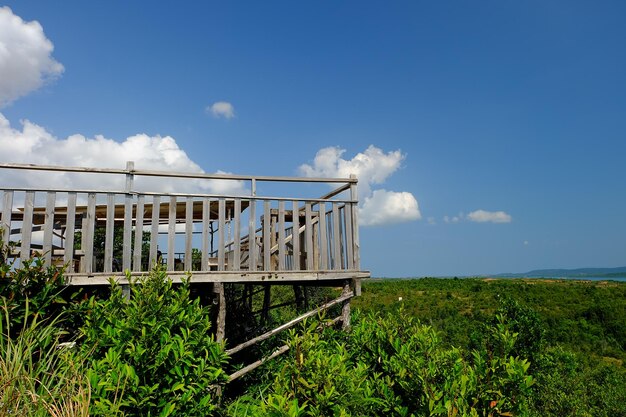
x,y
619,272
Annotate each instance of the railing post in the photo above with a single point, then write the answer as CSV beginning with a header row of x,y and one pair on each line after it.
x,y
128,216
7,211
354,196
128,220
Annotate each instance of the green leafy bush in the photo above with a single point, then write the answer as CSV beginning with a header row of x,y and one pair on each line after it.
x,y
393,365
42,288
152,355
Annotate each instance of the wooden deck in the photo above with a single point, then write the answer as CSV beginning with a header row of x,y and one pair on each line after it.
x,y
104,233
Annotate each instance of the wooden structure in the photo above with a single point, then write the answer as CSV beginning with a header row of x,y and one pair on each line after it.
x,y
98,233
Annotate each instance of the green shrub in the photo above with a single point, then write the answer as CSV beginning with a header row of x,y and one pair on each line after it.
x,y
42,287
393,365
152,355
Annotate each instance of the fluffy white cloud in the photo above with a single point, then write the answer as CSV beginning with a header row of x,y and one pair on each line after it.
x,y
388,207
483,216
35,145
221,109
25,57
373,166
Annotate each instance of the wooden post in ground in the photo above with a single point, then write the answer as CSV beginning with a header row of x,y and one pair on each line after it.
x,y
345,310
220,324
267,300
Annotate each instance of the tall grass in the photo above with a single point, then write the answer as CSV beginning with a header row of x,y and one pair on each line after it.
x,y
38,377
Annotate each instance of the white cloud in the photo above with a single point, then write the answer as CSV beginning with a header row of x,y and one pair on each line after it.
x,y
454,219
388,207
221,109
483,216
372,167
33,144
25,57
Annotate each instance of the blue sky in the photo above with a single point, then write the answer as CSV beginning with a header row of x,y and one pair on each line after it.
x,y
513,113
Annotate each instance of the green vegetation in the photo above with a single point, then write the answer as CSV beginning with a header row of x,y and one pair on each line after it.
x,y
416,347
153,354
573,332
393,365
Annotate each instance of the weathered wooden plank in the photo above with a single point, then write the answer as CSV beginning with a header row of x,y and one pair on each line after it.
x,y
249,368
336,238
27,225
220,333
237,237
169,174
48,228
206,223
345,309
295,240
221,249
109,233
70,225
188,233
252,250
138,244
281,236
7,209
267,243
335,278
349,236
171,234
127,234
323,237
355,224
308,236
289,324
154,231
342,236
88,226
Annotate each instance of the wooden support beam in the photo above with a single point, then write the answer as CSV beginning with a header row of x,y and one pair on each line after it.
x,y
171,234
68,256
109,233
221,237
281,236
220,324
88,230
289,324
154,231
188,233
277,352
345,309
7,209
137,252
27,225
206,220
267,301
48,226
254,365
237,237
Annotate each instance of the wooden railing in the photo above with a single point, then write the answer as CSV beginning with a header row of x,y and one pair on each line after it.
x,y
108,231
